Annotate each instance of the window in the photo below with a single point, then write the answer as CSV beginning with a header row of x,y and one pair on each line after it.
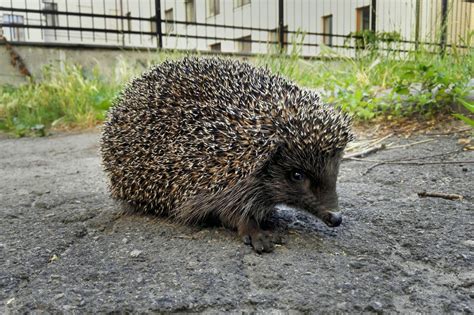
x,y
213,7
239,3
244,44
274,38
327,30
190,11
51,17
15,33
363,18
215,47
169,21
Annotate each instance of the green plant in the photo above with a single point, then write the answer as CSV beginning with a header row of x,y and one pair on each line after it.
x,y
373,85
416,83
470,108
71,97
368,42
67,96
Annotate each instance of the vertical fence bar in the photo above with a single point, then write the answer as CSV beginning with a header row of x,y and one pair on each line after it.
x,y
116,21
444,29
281,25
93,24
122,22
417,23
373,16
105,20
27,21
159,32
40,18
140,21
67,23
80,18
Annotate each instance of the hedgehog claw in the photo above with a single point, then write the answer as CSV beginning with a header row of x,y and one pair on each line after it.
x,y
261,241
278,238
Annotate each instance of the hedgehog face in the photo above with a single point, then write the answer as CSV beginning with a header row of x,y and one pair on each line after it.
x,y
307,182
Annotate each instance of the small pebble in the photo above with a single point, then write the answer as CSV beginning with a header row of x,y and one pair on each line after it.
x,y
374,306
469,243
356,264
135,253
58,296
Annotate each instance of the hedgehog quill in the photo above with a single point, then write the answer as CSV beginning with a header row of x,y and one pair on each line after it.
x,y
214,139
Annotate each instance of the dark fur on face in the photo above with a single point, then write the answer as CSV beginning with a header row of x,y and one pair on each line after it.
x,y
304,180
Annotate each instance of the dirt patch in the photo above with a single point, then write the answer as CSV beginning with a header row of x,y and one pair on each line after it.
x,y
64,246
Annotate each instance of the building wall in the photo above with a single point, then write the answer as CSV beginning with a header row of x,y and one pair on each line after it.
x,y
107,7
303,18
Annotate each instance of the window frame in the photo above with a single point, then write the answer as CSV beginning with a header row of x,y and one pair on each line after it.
x,y
192,18
360,18
327,39
213,46
241,3
16,33
242,42
51,19
217,4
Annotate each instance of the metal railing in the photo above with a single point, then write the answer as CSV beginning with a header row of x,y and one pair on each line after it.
x,y
241,26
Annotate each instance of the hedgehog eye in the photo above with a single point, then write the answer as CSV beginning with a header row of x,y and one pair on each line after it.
x,y
297,176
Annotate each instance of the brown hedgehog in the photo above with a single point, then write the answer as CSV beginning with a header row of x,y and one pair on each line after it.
x,y
212,139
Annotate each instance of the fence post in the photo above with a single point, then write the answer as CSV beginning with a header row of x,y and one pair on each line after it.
x,y
373,16
417,23
281,26
159,32
444,28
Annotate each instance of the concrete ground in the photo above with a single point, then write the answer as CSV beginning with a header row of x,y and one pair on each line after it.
x,y
66,247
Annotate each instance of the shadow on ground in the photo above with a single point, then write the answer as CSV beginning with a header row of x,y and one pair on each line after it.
x,y
64,246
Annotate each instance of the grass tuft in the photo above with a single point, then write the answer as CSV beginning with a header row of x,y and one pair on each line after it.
x,y
418,83
371,86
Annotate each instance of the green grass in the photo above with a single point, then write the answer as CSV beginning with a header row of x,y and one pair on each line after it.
x,y
419,83
67,98
370,86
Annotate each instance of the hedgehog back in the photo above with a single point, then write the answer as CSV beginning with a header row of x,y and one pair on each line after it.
x,y
190,127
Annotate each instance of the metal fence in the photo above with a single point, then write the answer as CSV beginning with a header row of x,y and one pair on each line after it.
x,y
241,26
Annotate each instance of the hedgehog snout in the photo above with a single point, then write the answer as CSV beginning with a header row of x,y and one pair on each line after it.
x,y
324,207
333,219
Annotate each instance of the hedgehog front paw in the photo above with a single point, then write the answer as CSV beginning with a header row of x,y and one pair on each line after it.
x,y
261,241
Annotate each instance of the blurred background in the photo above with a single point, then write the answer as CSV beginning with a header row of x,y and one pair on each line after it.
x,y
238,26
62,63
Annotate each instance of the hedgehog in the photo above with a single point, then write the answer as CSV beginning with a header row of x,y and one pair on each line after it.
x,y
211,139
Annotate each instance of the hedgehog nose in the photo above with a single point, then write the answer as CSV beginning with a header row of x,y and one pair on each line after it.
x,y
335,219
